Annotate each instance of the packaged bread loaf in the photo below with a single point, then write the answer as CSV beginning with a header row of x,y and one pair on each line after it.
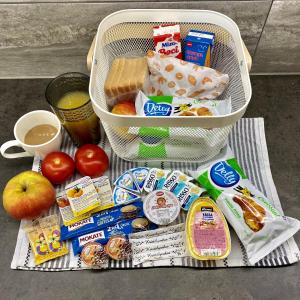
x,y
126,77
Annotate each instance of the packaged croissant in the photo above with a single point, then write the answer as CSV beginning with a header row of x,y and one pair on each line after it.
x,y
176,77
258,224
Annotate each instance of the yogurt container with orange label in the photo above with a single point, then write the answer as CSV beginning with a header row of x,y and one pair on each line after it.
x,y
207,232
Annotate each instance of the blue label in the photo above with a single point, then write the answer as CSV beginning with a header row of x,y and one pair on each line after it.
x,y
224,175
157,109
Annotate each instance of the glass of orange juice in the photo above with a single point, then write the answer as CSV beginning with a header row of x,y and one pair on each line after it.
x,y
68,96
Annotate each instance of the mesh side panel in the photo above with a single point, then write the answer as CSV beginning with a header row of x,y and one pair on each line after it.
x,y
179,144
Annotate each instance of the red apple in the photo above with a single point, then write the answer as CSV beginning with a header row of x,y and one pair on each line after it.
x,y
125,107
27,195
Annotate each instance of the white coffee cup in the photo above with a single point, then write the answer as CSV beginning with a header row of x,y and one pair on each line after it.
x,y
23,125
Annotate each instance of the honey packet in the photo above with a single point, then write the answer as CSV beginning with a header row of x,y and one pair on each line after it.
x,y
51,230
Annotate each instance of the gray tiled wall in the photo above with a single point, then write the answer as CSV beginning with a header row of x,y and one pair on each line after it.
x,y
43,38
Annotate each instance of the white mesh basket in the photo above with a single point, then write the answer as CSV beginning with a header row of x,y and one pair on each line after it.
x,y
130,31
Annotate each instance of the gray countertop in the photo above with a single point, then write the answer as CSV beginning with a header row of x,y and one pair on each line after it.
x,y
274,98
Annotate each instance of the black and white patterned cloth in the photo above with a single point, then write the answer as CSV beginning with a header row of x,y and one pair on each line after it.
x,y
247,140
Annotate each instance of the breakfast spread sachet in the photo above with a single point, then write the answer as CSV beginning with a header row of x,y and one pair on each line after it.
x,y
155,179
207,232
176,77
82,196
167,40
260,227
44,238
103,188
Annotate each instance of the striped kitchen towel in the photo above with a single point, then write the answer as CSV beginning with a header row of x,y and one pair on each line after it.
x,y
248,142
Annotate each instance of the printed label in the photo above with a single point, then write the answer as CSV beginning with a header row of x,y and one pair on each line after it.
x,y
224,175
91,237
81,224
157,109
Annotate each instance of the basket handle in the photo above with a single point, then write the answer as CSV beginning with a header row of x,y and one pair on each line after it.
x,y
89,58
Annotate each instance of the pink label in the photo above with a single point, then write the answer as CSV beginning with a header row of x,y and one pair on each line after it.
x,y
209,234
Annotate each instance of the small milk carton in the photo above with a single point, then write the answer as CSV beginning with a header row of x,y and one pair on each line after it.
x,y
198,47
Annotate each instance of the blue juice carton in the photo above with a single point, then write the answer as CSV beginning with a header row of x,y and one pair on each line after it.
x,y
198,47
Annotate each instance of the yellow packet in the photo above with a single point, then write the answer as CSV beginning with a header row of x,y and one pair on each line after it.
x,y
82,196
51,230
38,243
66,212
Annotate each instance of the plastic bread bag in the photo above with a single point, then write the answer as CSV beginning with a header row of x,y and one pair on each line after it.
x,y
260,227
176,77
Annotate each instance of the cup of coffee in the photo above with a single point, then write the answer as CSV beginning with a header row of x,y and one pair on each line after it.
x,y
37,132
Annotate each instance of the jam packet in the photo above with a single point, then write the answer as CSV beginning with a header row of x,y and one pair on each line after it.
x,y
176,181
66,212
155,179
167,40
82,196
188,193
102,236
103,219
258,224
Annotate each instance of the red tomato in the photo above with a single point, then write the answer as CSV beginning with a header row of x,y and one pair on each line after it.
x,y
58,167
91,160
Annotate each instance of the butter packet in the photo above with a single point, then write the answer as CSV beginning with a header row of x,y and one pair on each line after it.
x,y
122,196
127,182
155,179
188,193
176,181
82,196
51,229
140,175
103,188
65,210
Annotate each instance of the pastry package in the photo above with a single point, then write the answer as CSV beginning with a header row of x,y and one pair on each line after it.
x,y
127,75
175,77
260,226
180,106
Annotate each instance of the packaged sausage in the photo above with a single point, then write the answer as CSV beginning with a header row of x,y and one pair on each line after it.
x,y
260,226
167,40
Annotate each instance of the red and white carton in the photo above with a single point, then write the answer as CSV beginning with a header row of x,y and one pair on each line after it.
x,y
167,40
